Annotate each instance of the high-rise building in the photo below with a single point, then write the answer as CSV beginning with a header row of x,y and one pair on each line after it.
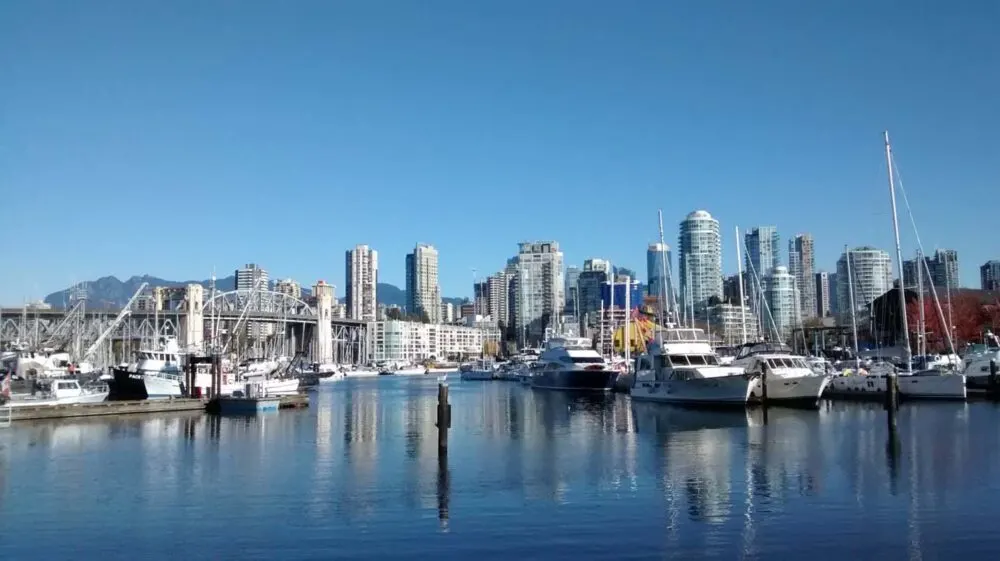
x,y
942,267
540,288
423,293
731,289
481,298
782,301
572,275
727,321
250,276
821,288
595,273
659,273
989,275
447,312
834,281
801,263
289,287
362,283
871,277
498,288
699,259
763,250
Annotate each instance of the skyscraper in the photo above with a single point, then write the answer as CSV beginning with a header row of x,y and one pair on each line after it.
x,y
782,301
763,251
801,264
423,294
540,288
871,277
989,275
570,290
942,267
595,273
699,259
289,287
361,274
821,284
658,263
498,287
252,275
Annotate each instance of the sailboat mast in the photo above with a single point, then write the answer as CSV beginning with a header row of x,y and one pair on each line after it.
x,y
921,329
739,281
854,319
899,257
663,272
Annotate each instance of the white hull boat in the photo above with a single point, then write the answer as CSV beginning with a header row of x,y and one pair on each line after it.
x,y
720,390
911,386
63,392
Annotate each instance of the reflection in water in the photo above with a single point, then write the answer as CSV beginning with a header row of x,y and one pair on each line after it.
x,y
529,474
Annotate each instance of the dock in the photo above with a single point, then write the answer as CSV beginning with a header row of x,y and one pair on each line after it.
x,y
147,406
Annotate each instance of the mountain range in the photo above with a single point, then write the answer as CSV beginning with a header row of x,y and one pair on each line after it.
x,y
109,292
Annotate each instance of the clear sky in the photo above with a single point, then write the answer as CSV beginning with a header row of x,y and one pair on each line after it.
x,y
169,138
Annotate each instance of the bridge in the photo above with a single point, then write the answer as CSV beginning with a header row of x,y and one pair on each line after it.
x,y
249,323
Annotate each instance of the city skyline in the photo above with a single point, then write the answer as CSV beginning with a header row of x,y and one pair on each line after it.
x,y
386,128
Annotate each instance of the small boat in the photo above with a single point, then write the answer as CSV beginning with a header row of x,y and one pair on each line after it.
x,y
62,392
569,363
480,370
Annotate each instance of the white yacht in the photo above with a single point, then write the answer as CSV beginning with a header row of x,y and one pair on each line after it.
x,y
680,366
789,377
62,392
481,369
977,362
569,363
872,384
157,374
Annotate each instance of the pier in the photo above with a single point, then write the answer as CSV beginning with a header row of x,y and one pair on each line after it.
x,y
107,408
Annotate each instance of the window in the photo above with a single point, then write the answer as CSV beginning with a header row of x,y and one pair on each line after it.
x,y
586,359
679,360
697,360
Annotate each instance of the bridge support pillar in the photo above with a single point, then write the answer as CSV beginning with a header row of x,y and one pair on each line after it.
x,y
193,322
323,336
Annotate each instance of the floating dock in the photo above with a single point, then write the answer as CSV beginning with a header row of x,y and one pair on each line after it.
x,y
26,413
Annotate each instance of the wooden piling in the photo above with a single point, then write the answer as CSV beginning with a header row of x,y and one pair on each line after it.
x,y
994,380
443,418
216,375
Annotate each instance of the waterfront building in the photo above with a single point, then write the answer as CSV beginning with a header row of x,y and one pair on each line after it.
x,y
423,293
540,288
871,273
362,283
407,341
726,321
801,264
989,275
699,259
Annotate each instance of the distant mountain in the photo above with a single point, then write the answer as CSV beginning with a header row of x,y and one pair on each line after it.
x,y
109,292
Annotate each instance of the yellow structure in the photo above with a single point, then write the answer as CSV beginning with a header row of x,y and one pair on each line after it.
x,y
640,332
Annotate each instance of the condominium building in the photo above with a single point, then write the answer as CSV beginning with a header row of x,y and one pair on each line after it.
x,y
540,288
763,251
940,269
423,293
251,276
699,259
498,289
782,314
405,341
289,287
362,283
593,276
570,290
801,263
871,277
727,321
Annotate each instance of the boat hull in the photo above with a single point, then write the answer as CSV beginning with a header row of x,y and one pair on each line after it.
x,y
278,386
930,386
802,390
476,375
126,385
575,380
722,390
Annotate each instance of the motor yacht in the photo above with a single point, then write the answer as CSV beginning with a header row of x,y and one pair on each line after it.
x,y
789,378
569,363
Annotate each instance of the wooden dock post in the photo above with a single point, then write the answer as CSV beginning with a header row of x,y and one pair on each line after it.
x,y
189,377
994,379
216,375
891,400
443,418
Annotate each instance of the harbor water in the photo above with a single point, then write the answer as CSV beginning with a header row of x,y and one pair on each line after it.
x,y
528,475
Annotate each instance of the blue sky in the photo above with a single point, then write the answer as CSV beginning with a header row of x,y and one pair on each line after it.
x,y
169,138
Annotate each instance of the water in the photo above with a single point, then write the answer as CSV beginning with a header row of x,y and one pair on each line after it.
x,y
528,475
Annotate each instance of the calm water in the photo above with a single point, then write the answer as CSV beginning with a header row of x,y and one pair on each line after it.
x,y
528,475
